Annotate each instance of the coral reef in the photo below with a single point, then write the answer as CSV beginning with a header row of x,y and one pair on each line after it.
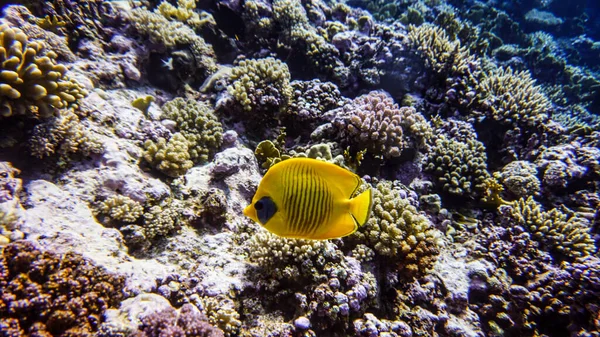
x,y
188,322
460,167
44,293
373,122
32,83
396,230
566,235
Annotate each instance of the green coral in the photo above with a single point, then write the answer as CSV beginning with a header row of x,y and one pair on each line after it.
x,y
171,157
121,208
196,122
520,178
512,97
566,235
261,86
31,84
459,167
399,232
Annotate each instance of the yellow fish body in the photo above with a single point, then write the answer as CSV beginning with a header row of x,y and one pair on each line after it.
x,y
309,199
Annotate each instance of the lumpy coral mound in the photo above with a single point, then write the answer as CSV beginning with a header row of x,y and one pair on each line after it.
x,y
29,82
46,294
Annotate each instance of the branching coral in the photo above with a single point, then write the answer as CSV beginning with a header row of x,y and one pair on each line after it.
x,y
32,84
198,124
171,157
375,123
121,208
460,167
327,287
45,294
512,97
566,235
188,322
261,86
399,232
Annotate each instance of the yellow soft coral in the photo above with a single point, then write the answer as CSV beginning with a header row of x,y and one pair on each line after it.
x,y
30,83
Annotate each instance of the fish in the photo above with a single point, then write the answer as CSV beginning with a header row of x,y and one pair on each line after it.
x,y
307,198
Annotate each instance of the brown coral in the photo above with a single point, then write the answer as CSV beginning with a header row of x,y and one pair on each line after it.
x,y
45,294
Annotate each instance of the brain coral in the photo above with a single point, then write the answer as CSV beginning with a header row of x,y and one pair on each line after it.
x,y
31,83
375,123
45,294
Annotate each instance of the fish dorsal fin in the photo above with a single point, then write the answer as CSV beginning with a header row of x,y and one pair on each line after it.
x,y
336,176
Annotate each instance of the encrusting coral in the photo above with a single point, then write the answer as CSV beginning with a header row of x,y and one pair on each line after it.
x,y
399,232
31,83
45,294
373,122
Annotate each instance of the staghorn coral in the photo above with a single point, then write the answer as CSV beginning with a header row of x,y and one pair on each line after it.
x,y
261,86
512,97
565,235
196,122
32,84
397,231
187,322
171,157
373,122
460,167
439,53
45,294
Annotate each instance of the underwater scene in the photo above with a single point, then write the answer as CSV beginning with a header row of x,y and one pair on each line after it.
x,y
298,168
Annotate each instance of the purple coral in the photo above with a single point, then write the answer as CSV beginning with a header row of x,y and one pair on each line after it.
x,y
188,322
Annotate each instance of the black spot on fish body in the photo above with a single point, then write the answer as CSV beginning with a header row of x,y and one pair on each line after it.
x,y
265,209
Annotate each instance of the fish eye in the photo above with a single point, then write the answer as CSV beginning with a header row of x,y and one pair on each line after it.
x,y
265,209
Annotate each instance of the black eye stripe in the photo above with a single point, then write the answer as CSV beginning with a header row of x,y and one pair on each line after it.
x,y
266,210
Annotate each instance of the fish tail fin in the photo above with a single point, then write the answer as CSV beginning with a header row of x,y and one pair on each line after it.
x,y
360,207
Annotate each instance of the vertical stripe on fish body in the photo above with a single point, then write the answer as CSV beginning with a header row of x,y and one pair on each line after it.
x,y
309,199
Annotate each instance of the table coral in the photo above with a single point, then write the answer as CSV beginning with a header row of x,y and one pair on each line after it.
x,y
459,167
398,231
31,83
43,293
375,122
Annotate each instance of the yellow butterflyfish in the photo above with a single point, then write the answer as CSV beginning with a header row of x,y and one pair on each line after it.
x,y
309,199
